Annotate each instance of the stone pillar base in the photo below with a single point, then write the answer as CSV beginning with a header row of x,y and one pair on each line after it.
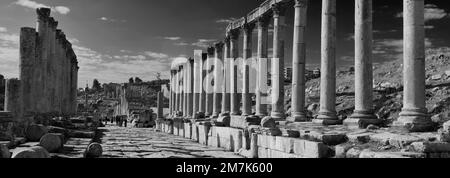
x,y
327,118
362,119
414,121
278,116
297,117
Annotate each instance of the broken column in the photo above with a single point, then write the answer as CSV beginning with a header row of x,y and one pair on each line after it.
x,y
13,98
27,68
247,54
209,82
234,52
364,111
263,43
414,115
278,64
160,106
226,77
51,67
327,114
42,59
218,79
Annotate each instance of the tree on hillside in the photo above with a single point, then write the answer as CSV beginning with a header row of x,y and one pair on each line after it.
x,y
158,76
137,80
131,80
96,86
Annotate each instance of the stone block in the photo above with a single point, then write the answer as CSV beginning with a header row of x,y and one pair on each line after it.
x,y
327,138
290,133
397,140
268,122
30,152
284,144
353,153
310,149
94,150
263,152
341,150
371,154
35,132
187,130
52,142
360,137
431,147
213,141
4,151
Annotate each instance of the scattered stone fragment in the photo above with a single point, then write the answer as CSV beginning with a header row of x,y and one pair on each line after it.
x,y
52,142
31,152
35,132
372,127
353,153
268,122
94,150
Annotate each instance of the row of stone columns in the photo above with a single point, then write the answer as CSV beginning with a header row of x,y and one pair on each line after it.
x,y
219,100
48,70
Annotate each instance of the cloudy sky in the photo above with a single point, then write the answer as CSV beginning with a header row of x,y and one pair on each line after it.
x,y
117,39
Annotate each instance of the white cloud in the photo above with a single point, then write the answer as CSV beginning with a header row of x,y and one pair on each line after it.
x,y
156,55
106,19
172,38
181,44
3,29
34,5
227,21
203,43
432,12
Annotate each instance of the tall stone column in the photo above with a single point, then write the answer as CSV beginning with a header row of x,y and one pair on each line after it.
x,y
246,96
160,106
218,79
13,98
327,114
74,84
209,85
171,93
42,59
414,113
77,68
180,88
364,112
27,67
59,71
185,88
176,91
198,82
226,108
190,87
203,88
234,36
51,66
263,43
278,63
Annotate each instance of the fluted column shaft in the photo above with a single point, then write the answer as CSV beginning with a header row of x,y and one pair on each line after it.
x,y
278,63
198,82
261,87
209,82
226,77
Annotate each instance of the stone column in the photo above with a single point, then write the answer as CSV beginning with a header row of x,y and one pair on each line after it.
x,y
74,84
176,91
327,114
27,67
364,113
170,93
278,63
75,108
203,88
51,67
13,98
414,115
185,87
218,79
263,43
160,107
209,84
226,77
180,88
234,36
59,71
198,82
246,96
190,87
42,59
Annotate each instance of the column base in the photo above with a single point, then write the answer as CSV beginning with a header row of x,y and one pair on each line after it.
x,y
278,116
327,118
415,121
298,117
362,119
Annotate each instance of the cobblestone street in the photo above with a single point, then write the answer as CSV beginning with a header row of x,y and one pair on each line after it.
x,y
120,142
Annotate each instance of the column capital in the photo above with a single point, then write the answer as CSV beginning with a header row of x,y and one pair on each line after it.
x,y
248,28
53,24
210,51
301,3
234,34
278,10
219,45
263,21
226,40
43,13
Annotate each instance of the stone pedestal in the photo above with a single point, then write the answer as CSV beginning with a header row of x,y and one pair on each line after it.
x,y
414,113
298,62
364,112
327,114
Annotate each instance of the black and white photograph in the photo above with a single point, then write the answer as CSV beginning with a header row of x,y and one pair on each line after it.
x,y
224,79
